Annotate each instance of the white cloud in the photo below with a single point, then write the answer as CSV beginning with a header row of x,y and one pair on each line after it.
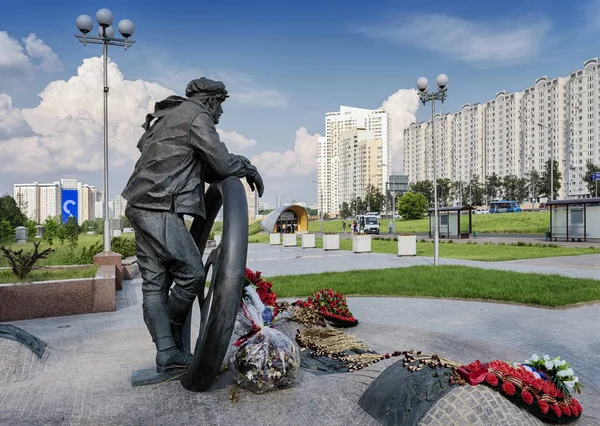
x,y
235,141
302,160
37,49
402,107
64,133
492,43
18,62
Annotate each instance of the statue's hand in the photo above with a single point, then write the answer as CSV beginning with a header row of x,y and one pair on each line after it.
x,y
255,180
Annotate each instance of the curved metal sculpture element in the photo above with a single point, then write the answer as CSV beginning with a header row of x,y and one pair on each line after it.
x,y
17,334
220,301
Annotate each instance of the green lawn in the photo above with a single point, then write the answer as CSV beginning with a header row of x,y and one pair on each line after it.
x,y
62,255
6,275
445,282
485,252
503,223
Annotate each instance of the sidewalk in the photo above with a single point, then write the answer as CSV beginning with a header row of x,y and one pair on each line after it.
x,y
85,375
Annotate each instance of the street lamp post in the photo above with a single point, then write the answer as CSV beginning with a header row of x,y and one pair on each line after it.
x,y
551,162
106,37
426,96
276,197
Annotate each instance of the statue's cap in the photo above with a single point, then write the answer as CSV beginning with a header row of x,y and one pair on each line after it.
x,y
203,87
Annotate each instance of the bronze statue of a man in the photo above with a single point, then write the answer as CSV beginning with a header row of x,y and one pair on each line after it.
x,y
180,151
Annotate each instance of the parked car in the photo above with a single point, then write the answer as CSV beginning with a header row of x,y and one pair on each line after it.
x,y
481,211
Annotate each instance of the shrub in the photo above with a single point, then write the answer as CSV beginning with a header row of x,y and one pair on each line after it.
x,y
86,255
22,262
124,246
412,206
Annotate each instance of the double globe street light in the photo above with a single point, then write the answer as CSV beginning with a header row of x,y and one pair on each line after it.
x,y
106,37
426,96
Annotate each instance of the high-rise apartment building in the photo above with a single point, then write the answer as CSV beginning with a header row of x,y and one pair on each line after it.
x,y
338,152
39,201
515,133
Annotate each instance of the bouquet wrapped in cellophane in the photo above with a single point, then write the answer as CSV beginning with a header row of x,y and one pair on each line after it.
x,y
264,359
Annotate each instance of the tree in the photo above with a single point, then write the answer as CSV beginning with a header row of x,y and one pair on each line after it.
x,y
345,210
375,200
50,230
7,232
9,210
99,225
493,184
522,190
460,192
444,187
533,177
358,206
412,206
545,180
71,232
590,169
424,187
476,191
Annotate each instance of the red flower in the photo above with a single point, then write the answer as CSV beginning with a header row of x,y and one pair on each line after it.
x,y
508,388
566,411
556,409
574,411
527,397
492,379
544,407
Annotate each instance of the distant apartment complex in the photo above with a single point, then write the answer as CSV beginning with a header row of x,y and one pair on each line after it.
x,y
355,152
39,201
515,133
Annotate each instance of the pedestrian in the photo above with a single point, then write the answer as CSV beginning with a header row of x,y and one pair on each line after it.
x,y
344,226
390,227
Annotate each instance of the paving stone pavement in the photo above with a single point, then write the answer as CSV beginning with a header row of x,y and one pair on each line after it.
x,y
85,375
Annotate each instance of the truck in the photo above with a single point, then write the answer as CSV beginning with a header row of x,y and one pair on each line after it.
x,y
368,224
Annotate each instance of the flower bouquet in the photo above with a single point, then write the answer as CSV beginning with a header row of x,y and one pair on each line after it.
x,y
265,359
535,385
332,306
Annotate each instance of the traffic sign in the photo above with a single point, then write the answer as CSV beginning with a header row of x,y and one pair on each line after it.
x,y
595,176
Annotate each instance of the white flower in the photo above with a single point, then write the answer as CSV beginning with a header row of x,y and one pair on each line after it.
x,y
536,375
565,373
549,365
546,358
571,383
528,368
534,358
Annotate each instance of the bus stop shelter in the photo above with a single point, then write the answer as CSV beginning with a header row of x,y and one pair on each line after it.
x,y
452,224
575,220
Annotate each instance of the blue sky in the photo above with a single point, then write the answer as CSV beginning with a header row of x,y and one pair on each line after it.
x,y
290,62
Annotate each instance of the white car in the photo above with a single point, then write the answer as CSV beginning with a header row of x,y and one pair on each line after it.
x,y
481,211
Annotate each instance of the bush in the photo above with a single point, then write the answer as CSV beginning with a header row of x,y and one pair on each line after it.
x,y
124,246
86,255
412,206
22,262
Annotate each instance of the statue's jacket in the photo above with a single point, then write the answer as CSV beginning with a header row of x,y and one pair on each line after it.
x,y
180,151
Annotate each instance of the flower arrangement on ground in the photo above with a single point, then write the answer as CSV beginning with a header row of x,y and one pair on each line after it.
x,y
332,306
265,359
540,384
267,296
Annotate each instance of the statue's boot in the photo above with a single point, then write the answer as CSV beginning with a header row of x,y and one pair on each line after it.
x,y
168,356
179,306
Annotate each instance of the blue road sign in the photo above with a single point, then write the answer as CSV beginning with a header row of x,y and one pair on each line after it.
x,y
69,204
595,176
